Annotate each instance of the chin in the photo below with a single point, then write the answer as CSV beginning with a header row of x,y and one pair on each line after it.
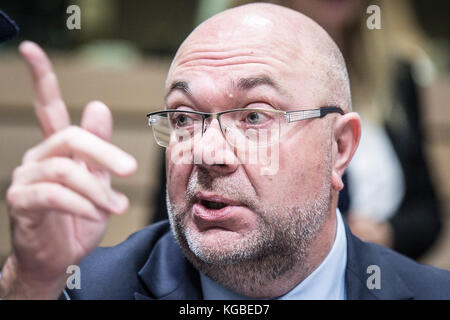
x,y
219,246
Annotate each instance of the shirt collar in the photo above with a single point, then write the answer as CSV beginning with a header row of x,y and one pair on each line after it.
x,y
326,282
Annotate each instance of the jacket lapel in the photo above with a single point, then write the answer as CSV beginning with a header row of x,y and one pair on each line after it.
x,y
361,255
167,275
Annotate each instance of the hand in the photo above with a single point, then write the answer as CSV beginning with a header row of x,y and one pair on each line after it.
x,y
60,198
369,230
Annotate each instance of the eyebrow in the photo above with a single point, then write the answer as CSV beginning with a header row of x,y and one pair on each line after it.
x,y
179,85
242,84
252,82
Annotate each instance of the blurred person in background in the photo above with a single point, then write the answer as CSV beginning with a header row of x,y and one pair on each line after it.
x,y
388,67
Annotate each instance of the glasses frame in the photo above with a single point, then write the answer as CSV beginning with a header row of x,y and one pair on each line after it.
x,y
289,116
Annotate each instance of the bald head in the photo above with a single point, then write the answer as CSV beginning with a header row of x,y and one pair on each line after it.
x,y
291,40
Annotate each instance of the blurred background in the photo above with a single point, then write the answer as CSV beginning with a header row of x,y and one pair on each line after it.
x,y
121,56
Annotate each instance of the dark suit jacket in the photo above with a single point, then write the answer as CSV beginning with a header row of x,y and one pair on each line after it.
x,y
151,265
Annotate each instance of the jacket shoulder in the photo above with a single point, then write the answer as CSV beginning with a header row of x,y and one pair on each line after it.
x,y
427,282
112,272
401,277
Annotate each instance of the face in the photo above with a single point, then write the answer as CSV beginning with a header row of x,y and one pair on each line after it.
x,y
227,212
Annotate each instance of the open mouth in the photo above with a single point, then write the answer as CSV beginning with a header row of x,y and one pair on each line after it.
x,y
213,205
214,201
215,208
216,211
210,213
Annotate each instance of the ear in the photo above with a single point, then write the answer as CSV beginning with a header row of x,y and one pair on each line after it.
x,y
347,132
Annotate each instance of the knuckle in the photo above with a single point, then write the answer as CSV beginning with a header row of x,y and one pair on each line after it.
x,y
22,170
70,135
17,172
60,174
51,196
12,194
74,130
58,169
17,200
30,154
27,156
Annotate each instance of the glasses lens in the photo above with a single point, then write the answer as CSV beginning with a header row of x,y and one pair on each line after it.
x,y
174,127
251,128
243,129
161,129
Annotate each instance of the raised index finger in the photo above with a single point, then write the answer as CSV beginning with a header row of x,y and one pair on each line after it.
x,y
50,109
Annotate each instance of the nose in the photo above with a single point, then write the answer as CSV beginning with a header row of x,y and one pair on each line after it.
x,y
212,152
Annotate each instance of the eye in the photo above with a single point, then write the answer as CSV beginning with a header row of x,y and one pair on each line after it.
x,y
253,117
182,120
256,118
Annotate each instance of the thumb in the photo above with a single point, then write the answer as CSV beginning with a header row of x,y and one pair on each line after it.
x,y
97,119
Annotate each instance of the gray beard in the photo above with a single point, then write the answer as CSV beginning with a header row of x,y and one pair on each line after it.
x,y
257,262
283,240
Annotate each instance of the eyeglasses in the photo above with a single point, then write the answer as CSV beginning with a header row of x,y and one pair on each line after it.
x,y
241,127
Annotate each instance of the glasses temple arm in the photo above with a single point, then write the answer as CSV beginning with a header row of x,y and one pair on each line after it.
x,y
326,110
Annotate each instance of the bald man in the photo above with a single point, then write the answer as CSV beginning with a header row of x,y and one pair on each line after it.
x,y
258,130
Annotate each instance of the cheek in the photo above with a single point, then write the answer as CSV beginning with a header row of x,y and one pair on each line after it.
x,y
177,179
307,169
301,175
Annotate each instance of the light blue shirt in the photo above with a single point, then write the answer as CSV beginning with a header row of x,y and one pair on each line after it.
x,y
326,282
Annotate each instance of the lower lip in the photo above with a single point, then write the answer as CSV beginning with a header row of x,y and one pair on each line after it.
x,y
214,215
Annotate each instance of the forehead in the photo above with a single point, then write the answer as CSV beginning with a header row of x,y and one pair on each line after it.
x,y
214,60
214,77
237,44
233,60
